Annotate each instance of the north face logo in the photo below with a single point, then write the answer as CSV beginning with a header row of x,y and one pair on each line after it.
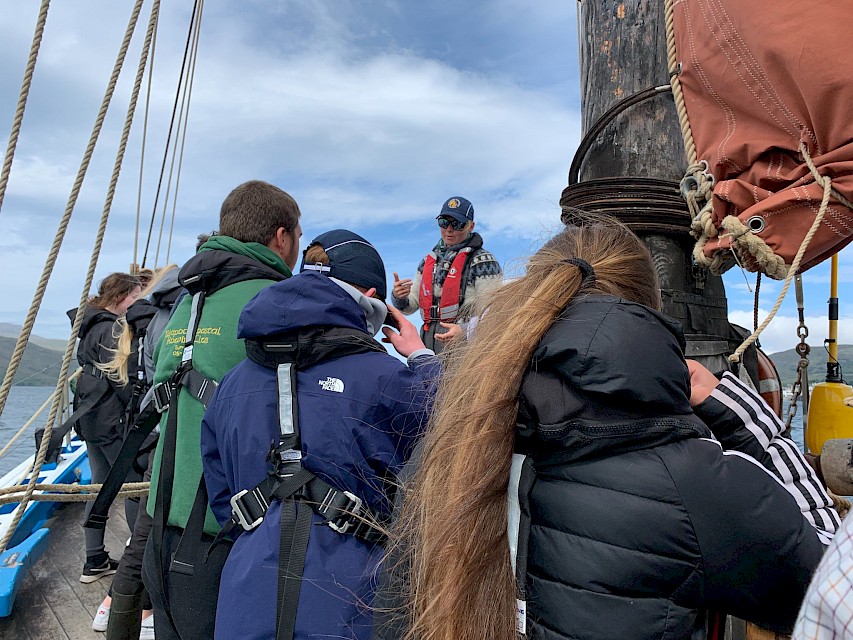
x,y
332,384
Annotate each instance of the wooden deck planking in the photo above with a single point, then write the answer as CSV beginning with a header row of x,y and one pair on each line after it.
x,y
52,603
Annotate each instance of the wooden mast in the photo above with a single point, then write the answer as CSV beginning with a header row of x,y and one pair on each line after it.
x,y
622,52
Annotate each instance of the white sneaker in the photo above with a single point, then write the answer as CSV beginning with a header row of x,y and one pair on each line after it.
x,y
147,632
102,618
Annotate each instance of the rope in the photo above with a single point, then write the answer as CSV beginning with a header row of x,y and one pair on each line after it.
x,y
169,136
826,183
188,96
25,332
74,488
76,493
29,422
755,306
698,183
22,99
143,144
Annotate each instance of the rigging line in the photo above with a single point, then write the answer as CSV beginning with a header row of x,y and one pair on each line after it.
x,y
144,143
22,99
190,84
66,359
26,329
169,136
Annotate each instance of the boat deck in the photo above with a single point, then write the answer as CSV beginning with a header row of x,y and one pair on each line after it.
x,y
52,603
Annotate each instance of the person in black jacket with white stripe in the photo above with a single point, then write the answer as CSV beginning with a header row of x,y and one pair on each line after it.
x,y
644,492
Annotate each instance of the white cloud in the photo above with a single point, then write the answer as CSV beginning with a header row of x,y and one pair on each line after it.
x,y
781,333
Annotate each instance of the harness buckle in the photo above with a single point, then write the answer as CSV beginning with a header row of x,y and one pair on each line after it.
x,y
348,506
248,508
162,396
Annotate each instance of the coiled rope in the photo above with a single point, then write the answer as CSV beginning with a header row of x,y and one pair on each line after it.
x,y
27,329
22,99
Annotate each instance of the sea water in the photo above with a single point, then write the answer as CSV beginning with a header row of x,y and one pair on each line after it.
x,y
24,401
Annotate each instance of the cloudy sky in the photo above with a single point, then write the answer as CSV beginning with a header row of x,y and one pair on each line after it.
x,y
370,113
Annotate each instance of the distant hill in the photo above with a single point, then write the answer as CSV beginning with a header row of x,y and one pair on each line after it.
x,y
786,362
39,367
8,330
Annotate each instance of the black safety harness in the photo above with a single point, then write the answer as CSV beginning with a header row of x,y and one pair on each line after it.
x,y
298,489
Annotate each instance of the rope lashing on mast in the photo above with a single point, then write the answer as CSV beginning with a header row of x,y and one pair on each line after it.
x,y
25,332
22,99
643,204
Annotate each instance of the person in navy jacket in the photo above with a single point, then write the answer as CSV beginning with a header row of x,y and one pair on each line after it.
x,y
359,417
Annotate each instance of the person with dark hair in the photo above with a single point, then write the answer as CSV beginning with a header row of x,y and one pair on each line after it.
x,y
307,436
100,403
592,483
257,245
453,281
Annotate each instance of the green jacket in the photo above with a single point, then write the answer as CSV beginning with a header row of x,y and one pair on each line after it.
x,y
251,267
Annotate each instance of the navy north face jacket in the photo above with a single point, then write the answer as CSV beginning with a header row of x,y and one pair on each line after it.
x,y
360,416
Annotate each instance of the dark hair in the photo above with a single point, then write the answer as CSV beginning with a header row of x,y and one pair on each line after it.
x,y
255,210
113,289
202,238
453,525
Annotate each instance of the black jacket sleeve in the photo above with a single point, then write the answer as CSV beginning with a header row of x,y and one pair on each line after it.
x,y
757,550
742,421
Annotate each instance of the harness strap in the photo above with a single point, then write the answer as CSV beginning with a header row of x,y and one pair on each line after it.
x,y
167,460
58,433
292,548
144,424
184,558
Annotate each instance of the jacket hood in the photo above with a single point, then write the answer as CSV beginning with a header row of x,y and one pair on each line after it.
x,y
223,261
609,374
139,314
91,317
253,250
306,300
166,292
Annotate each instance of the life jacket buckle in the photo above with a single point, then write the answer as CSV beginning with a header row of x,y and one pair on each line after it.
x,y
248,508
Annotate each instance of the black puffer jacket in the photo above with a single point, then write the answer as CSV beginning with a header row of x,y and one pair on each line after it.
x,y
638,521
105,421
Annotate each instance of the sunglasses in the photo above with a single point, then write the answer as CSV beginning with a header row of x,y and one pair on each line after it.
x,y
451,222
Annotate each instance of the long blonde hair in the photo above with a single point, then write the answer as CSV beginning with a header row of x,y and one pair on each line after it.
x,y
116,368
453,527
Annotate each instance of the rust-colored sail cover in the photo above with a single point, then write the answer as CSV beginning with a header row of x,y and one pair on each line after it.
x,y
758,79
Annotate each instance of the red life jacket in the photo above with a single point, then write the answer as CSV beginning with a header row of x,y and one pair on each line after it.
x,y
451,292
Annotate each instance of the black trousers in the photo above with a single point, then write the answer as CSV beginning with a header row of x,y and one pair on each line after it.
x,y
190,599
128,578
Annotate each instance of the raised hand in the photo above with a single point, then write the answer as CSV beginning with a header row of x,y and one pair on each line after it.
x,y
402,288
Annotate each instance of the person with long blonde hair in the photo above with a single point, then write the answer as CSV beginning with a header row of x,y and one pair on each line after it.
x,y
574,483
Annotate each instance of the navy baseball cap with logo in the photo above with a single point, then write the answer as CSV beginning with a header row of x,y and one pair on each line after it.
x,y
351,259
457,208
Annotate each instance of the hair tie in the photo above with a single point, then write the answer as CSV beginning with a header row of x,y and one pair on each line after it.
x,y
587,272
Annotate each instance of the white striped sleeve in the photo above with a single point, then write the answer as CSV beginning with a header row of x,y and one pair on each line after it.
x,y
780,455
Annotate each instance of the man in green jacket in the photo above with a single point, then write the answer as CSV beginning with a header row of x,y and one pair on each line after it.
x,y
257,245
